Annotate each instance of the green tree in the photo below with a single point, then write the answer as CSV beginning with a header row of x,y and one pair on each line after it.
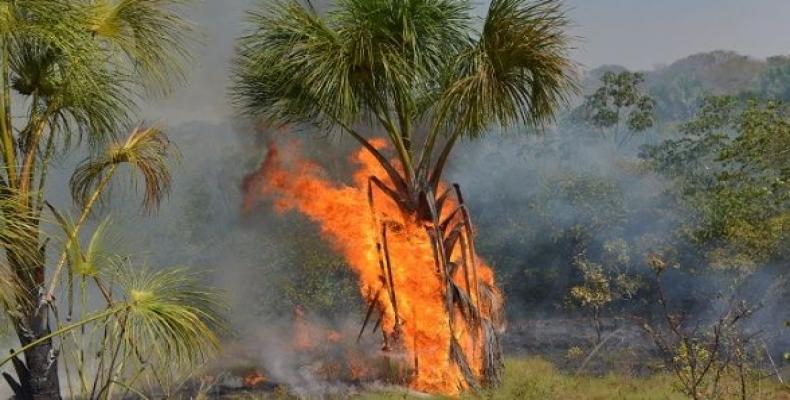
x,y
417,70
72,73
732,167
619,108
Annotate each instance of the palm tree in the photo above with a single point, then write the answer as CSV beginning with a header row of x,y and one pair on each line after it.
x,y
426,72
72,73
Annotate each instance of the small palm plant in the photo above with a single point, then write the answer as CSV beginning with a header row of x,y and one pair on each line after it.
x,y
166,313
427,73
71,73
154,324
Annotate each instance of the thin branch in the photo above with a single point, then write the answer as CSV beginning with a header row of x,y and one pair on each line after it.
x,y
393,174
53,283
62,330
6,134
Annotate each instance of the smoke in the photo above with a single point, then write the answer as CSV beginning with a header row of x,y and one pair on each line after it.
x,y
314,356
537,200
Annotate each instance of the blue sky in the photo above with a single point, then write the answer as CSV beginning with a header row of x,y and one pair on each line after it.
x,y
638,34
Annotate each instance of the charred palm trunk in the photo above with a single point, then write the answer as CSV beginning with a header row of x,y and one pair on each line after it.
x,y
474,299
37,375
452,239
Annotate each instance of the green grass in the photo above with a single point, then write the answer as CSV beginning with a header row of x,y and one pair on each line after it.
x,y
532,378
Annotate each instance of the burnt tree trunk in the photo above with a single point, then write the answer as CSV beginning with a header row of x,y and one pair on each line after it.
x,y
39,378
473,298
476,301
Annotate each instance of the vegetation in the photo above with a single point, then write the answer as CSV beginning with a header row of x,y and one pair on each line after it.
x,y
702,197
362,63
604,284
72,74
731,165
535,379
619,109
700,357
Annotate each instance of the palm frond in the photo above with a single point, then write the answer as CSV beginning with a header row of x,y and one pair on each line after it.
x,y
94,108
44,20
88,63
151,35
10,290
170,315
294,68
145,151
95,258
297,66
382,60
398,48
70,75
16,223
19,241
518,70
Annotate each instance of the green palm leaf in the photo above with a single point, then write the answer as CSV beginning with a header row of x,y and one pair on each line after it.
x,y
87,262
18,241
392,64
151,35
145,151
294,68
170,314
518,70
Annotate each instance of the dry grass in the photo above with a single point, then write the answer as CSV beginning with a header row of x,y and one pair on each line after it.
x,y
537,379
532,378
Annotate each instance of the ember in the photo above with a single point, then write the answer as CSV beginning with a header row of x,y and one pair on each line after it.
x,y
254,379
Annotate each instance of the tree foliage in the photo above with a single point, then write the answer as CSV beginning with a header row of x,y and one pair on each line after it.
x,y
418,69
731,165
619,108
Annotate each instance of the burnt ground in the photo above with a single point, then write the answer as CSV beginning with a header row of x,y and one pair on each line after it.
x,y
564,341
567,342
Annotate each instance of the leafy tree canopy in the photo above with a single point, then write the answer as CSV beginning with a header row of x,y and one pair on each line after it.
x,y
619,107
732,165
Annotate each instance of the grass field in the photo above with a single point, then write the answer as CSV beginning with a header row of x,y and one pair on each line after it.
x,y
538,379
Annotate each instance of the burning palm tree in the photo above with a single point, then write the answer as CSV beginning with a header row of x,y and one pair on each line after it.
x,y
426,73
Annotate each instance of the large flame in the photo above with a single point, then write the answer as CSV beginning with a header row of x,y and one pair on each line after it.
x,y
342,211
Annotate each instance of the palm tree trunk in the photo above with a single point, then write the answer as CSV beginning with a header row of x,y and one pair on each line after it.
x,y
42,366
38,375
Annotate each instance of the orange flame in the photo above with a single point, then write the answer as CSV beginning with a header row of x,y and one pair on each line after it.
x,y
343,214
254,379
